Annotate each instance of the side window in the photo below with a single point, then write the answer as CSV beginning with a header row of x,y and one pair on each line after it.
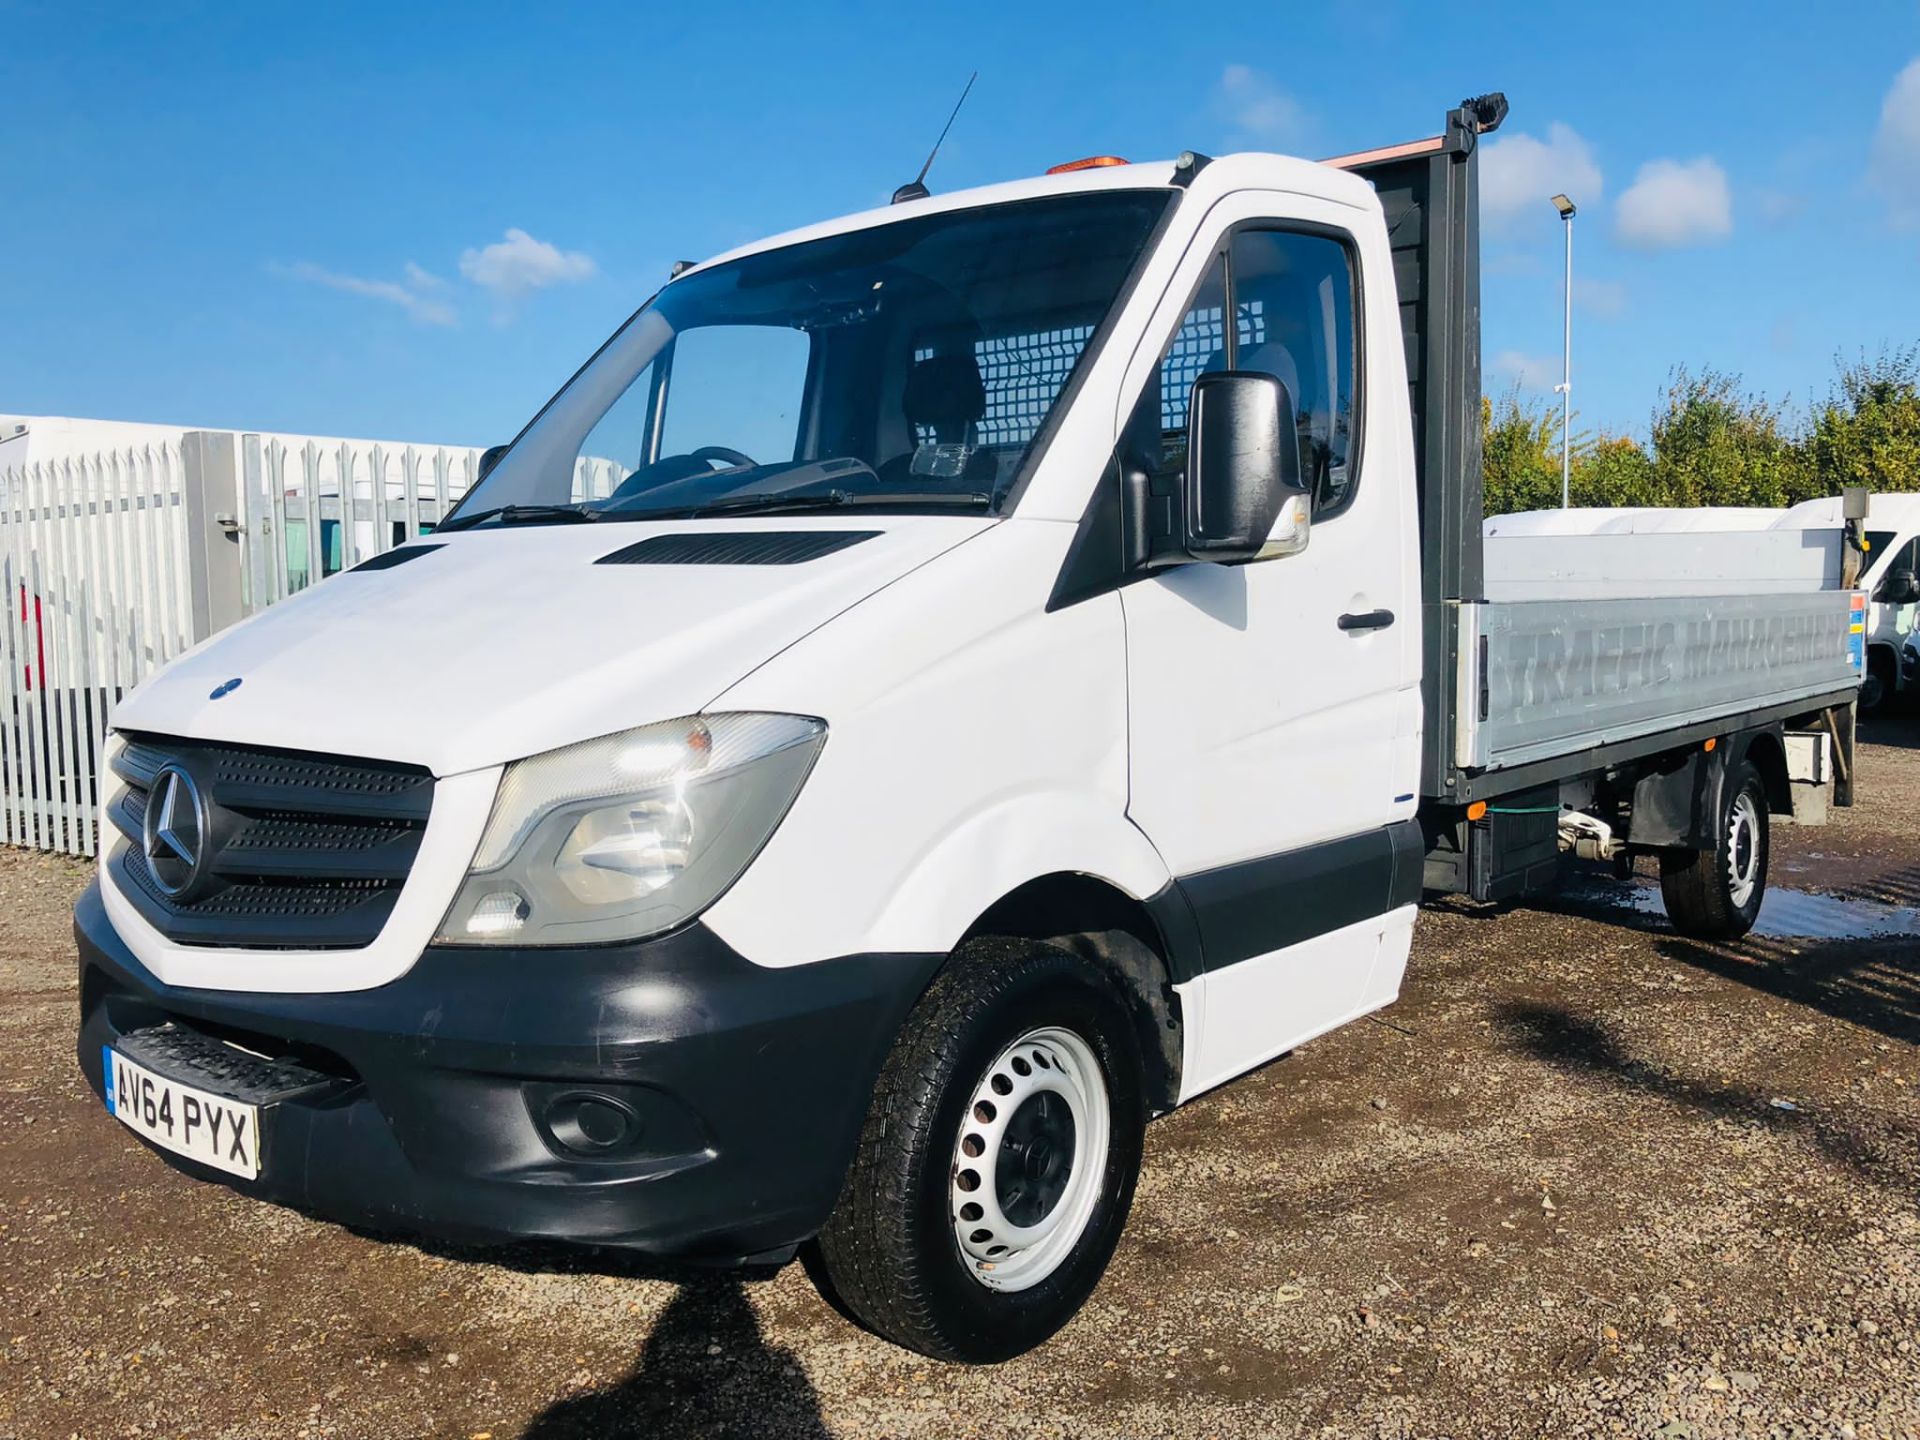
x,y
1291,298
1199,345
617,444
1907,558
737,386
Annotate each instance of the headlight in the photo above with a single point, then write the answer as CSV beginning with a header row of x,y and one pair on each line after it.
x,y
626,836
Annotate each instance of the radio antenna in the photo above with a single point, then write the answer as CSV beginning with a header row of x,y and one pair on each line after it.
x,y
916,189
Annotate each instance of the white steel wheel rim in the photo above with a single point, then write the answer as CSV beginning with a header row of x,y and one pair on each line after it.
x,y
1000,1177
1743,848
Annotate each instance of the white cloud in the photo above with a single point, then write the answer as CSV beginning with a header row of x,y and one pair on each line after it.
x,y
1531,372
1896,145
423,308
1259,108
1673,203
1520,174
518,263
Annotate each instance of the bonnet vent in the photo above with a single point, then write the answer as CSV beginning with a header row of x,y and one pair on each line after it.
x,y
397,557
737,547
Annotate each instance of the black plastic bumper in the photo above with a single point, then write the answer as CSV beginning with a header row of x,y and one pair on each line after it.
x,y
748,1085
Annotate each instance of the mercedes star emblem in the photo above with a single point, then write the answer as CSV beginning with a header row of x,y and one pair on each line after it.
x,y
175,832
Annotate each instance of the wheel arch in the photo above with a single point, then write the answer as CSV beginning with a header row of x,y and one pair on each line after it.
x,y
1884,677
1768,752
1103,924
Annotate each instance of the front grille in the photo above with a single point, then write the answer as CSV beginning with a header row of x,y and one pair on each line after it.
x,y
289,850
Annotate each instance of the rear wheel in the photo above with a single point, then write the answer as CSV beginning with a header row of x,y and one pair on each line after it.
x,y
1715,894
998,1160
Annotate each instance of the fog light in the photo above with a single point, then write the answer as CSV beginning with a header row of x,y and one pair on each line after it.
x,y
591,1124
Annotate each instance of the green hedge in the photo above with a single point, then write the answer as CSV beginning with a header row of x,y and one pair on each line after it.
x,y
1712,443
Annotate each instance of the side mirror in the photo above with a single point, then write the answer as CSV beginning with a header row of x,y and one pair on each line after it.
x,y
1901,587
489,458
1242,498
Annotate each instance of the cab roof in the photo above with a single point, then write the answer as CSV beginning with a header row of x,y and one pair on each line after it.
x,y
1245,171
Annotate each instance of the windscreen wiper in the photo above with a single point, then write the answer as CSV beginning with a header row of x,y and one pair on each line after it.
x,y
518,515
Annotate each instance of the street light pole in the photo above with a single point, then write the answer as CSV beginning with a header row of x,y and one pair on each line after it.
x,y
1567,211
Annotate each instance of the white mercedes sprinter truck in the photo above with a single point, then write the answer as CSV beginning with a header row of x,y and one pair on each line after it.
x,y
935,690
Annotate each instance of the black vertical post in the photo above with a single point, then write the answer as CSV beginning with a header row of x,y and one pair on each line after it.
x,y
1432,210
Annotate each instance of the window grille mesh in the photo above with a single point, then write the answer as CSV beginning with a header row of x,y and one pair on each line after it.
x,y
1022,374
1199,346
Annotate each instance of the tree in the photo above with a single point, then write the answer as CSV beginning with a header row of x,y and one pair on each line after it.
x,y
1614,470
1868,430
1713,444
1520,459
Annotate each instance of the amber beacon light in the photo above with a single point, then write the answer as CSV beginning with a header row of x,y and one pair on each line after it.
x,y
1092,162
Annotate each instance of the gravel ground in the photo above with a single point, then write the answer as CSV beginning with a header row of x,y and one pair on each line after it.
x,y
1586,1177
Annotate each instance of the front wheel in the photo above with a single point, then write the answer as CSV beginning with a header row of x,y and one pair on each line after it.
x,y
1878,685
998,1160
1715,894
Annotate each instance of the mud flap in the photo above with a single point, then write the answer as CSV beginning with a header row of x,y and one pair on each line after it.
x,y
1677,808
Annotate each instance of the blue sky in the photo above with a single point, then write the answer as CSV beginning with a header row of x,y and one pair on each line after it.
x,y
414,222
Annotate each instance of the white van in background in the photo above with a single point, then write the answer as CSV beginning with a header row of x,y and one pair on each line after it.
x,y
1890,574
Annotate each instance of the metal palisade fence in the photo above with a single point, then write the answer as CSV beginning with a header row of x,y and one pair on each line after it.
x,y
116,561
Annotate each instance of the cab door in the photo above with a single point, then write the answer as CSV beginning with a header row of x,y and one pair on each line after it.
x,y
1274,707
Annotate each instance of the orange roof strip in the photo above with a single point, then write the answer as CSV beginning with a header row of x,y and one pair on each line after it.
x,y
1387,152
1092,162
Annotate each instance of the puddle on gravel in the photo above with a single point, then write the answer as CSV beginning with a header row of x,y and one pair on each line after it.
x,y
1784,914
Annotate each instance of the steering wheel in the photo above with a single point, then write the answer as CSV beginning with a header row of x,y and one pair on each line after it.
x,y
671,471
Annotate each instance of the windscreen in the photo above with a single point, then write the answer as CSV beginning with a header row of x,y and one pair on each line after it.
x,y
909,365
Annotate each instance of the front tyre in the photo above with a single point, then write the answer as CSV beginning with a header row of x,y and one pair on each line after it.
x,y
1878,685
998,1159
1715,894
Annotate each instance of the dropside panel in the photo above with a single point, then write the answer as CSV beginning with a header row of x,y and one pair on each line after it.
x,y
1543,678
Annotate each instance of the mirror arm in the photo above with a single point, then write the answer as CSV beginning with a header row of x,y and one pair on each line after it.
x,y
1136,520
1149,518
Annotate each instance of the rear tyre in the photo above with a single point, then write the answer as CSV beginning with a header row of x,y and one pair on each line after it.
x,y
998,1160
1715,894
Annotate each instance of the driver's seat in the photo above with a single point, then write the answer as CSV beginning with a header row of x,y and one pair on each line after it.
x,y
945,398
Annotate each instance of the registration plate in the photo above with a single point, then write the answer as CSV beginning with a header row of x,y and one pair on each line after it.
x,y
209,1128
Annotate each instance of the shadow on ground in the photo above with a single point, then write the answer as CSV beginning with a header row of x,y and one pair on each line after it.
x,y
1870,983
1900,728
1852,972
706,1372
1586,1047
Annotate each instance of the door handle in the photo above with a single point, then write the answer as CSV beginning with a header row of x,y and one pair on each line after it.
x,y
1366,620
